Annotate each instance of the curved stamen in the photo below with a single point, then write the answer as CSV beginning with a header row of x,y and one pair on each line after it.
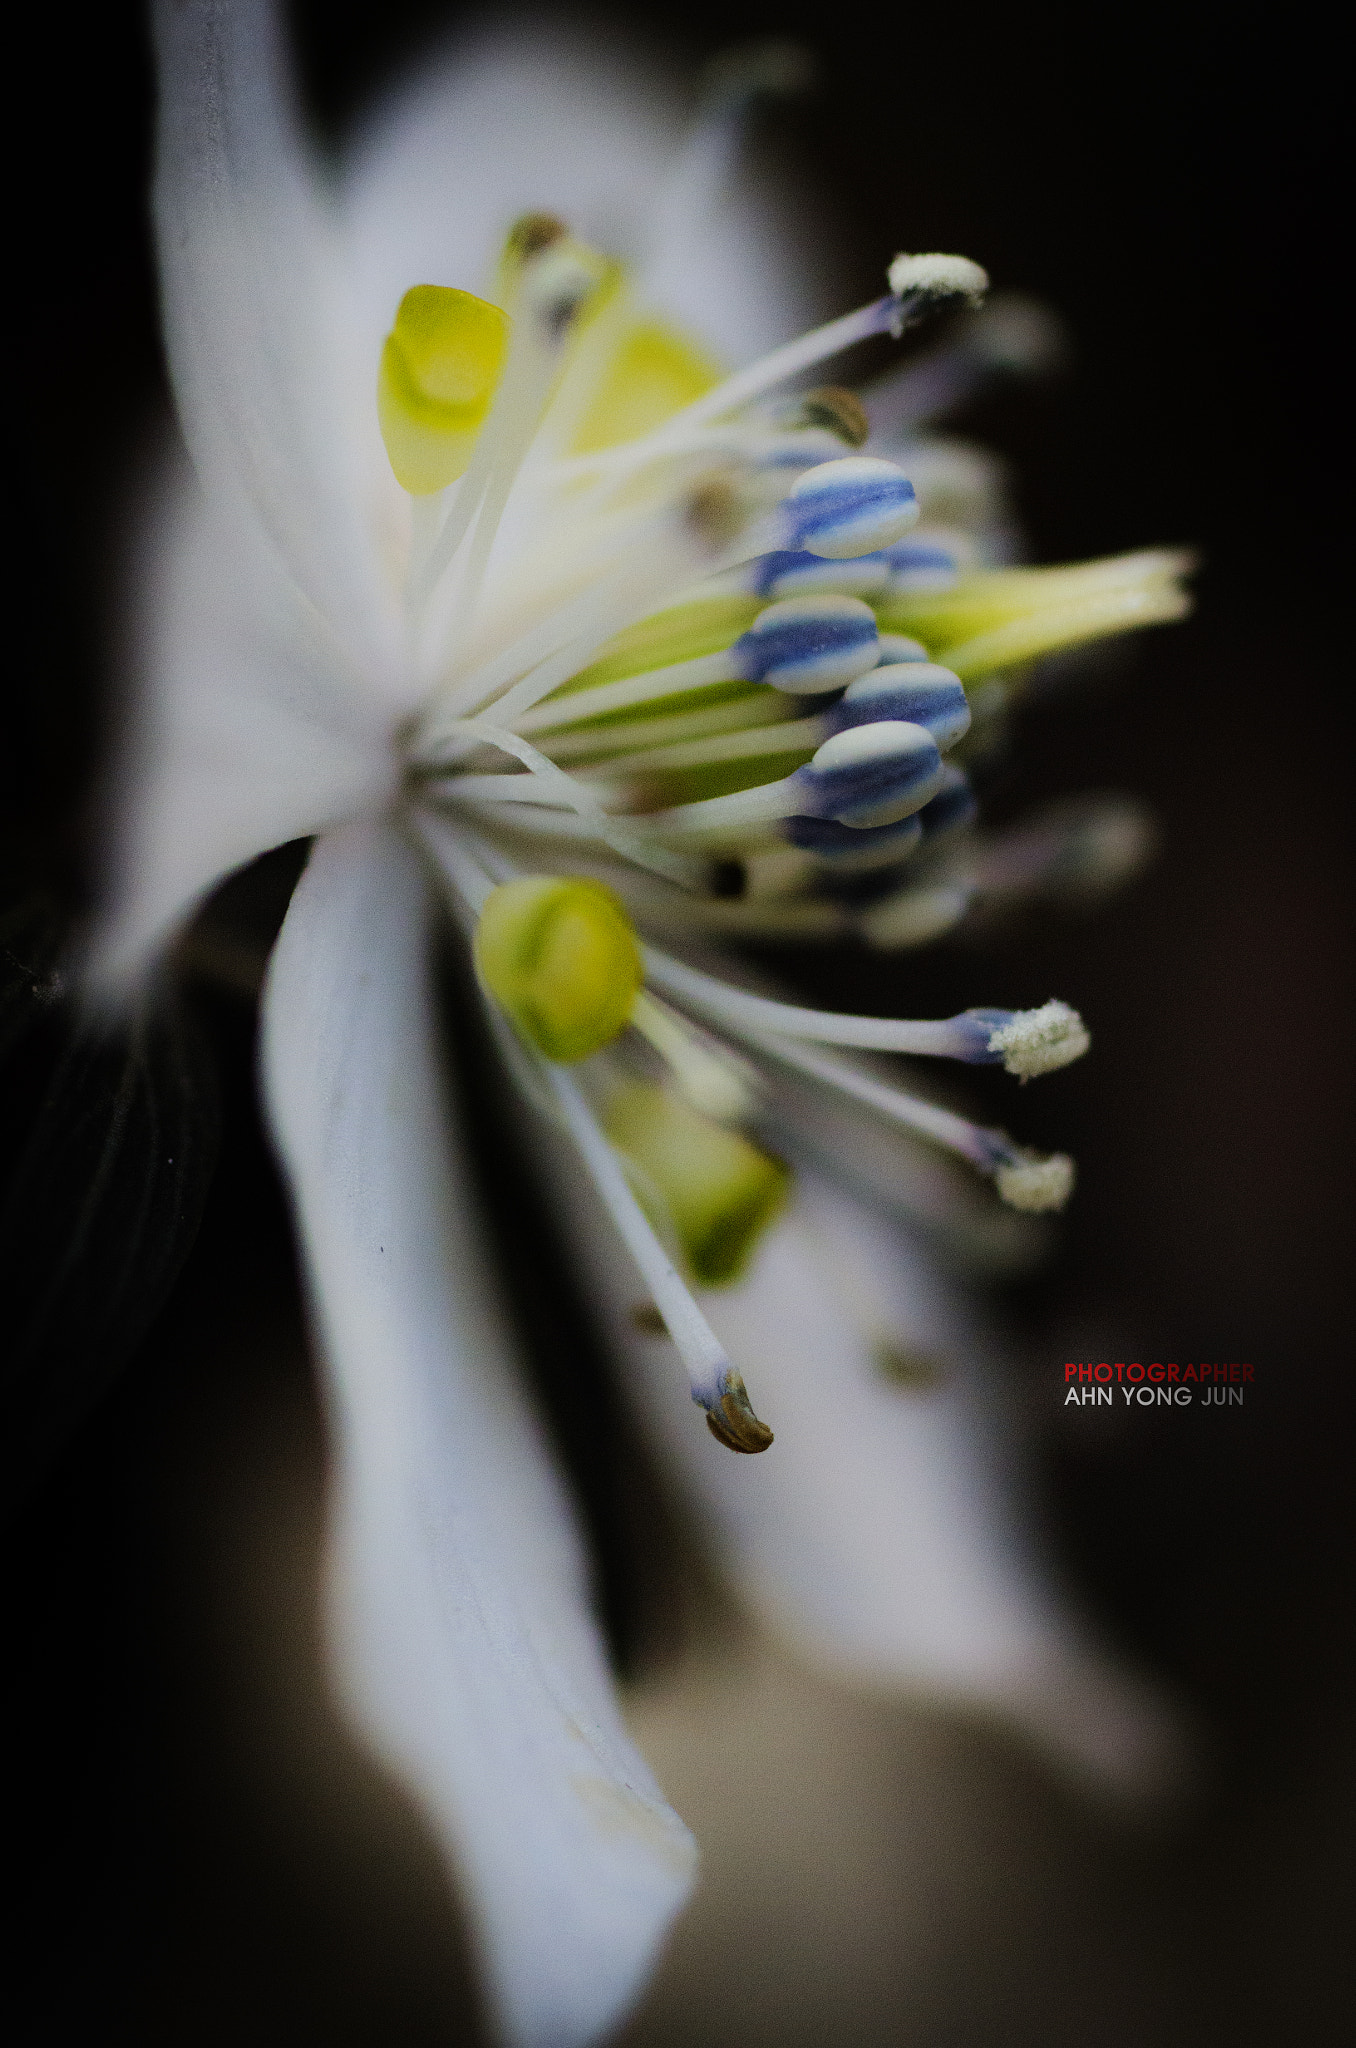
x,y
551,786
716,1386
787,736
867,775
915,290
669,729
978,1037
662,554
1012,336
1025,1180
713,1079
555,283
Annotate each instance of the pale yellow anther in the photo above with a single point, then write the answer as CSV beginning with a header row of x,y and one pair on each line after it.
x,y
529,235
652,372
440,367
718,1191
560,273
559,956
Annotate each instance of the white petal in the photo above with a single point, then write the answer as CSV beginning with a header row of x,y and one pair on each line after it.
x,y
545,119
884,1532
259,334
248,725
465,1651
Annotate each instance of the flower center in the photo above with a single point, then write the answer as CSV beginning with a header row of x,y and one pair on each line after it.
x,y
695,664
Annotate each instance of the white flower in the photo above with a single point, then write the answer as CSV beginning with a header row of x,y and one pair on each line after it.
x,y
637,635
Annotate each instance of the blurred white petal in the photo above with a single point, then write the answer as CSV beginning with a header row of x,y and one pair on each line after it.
x,y
464,1646
544,118
884,1532
256,320
248,725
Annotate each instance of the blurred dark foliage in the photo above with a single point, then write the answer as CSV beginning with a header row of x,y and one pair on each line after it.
x,y
1166,177
108,1138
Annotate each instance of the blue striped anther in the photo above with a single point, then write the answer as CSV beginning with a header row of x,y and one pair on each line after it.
x,y
899,647
809,645
952,808
855,506
826,837
794,573
871,774
922,564
916,691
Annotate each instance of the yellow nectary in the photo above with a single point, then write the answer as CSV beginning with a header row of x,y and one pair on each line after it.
x,y
559,955
440,368
718,1191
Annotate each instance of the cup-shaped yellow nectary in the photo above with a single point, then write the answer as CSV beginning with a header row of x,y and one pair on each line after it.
x,y
440,367
559,955
718,1191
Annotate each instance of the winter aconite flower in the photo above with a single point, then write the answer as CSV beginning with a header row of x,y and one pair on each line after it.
x,y
531,563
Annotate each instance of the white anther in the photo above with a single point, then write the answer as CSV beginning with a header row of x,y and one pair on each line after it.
x,y
1017,333
1038,1041
1036,1183
938,277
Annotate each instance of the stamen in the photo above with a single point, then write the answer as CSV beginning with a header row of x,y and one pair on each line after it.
x,y
930,279
713,1079
952,809
919,565
780,365
658,553
872,774
753,709
916,915
868,775
840,410
806,646
785,736
929,563
1032,1042
833,849
718,1191
1010,336
1034,1182
809,645
1020,1039
554,285
849,507
1076,851
530,234
917,285
795,572
716,1386
581,706
462,868
915,691
548,785
1025,1180
734,1423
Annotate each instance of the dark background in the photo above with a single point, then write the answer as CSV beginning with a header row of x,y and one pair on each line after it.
x,y
1165,177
